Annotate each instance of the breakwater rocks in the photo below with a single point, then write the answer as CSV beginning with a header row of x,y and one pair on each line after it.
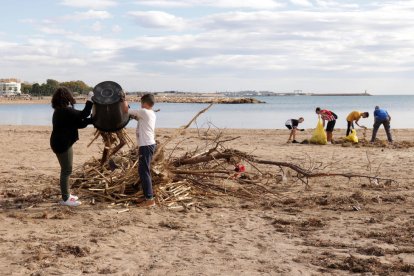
x,y
215,100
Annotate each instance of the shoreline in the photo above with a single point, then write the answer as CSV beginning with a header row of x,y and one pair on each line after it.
x,y
404,136
308,130
189,99
158,99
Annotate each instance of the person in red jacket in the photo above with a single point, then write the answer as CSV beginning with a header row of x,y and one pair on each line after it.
x,y
330,117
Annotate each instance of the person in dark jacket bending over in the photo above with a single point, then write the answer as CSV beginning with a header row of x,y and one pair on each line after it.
x,y
381,117
66,122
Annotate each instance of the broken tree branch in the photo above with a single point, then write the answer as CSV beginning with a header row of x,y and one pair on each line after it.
x,y
179,131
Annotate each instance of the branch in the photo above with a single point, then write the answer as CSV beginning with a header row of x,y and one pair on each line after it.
x,y
303,172
200,171
179,131
310,174
196,116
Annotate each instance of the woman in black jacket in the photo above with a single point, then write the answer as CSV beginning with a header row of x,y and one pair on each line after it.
x,y
66,122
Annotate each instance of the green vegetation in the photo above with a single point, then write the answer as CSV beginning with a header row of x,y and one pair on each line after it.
x,y
47,89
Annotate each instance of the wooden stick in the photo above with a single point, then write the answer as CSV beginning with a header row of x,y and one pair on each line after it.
x,y
122,211
200,171
179,131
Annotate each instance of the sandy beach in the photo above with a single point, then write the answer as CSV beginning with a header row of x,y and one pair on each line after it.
x,y
32,100
313,231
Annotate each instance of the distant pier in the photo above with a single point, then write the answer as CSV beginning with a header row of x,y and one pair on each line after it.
x,y
340,94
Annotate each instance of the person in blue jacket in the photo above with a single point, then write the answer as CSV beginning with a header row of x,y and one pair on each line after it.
x,y
381,117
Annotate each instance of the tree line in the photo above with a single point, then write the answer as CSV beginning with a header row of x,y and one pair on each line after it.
x,y
47,88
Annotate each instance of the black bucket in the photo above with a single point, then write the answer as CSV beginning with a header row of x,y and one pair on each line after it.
x,y
108,114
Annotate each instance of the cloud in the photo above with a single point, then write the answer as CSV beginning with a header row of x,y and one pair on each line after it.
x,y
116,29
298,43
42,52
310,22
164,3
93,4
97,26
304,3
330,4
90,14
157,19
27,20
248,4
311,43
241,62
226,47
4,45
53,30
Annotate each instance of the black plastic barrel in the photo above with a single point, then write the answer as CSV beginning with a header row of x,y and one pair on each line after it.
x,y
108,114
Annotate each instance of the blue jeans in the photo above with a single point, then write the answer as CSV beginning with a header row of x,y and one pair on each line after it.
x,y
144,169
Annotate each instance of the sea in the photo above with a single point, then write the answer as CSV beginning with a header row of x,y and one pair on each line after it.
x,y
271,115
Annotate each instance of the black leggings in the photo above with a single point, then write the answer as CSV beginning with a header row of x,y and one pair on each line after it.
x,y
350,125
66,163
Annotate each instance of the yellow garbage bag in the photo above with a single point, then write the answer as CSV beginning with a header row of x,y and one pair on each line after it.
x,y
319,134
352,137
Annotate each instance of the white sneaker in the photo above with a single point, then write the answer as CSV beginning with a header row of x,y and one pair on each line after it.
x,y
73,196
70,202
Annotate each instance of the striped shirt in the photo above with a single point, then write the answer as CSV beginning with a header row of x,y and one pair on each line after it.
x,y
328,115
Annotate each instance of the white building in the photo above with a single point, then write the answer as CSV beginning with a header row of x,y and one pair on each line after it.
x,y
10,86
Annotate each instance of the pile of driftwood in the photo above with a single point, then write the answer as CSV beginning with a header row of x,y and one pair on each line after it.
x,y
181,178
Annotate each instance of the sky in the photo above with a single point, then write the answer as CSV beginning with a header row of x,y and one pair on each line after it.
x,y
326,46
